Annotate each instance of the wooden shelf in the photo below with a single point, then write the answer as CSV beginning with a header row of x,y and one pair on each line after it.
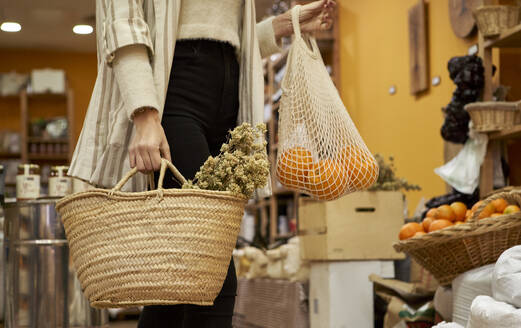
x,y
48,157
285,236
4,155
47,96
512,133
47,140
282,191
280,58
510,38
10,97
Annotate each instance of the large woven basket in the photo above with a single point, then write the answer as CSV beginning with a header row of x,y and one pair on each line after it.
x,y
456,249
159,247
494,116
492,20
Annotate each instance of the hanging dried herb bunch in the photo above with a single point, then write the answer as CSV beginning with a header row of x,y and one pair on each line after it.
x,y
387,180
241,167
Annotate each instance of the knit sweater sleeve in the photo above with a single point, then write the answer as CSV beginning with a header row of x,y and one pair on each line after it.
x,y
267,42
135,79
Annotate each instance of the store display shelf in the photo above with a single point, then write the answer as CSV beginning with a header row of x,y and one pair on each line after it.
x,y
47,96
282,191
10,97
4,155
285,236
510,38
47,140
280,57
512,133
48,157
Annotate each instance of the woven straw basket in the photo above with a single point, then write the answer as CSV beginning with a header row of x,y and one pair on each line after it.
x,y
456,249
492,20
159,247
494,116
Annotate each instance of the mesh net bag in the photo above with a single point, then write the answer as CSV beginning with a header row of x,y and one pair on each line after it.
x,y
320,152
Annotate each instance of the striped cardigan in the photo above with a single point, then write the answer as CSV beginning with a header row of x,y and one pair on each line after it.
x,y
101,154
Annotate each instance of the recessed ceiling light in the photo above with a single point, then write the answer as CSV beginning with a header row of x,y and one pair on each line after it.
x,y
82,29
10,27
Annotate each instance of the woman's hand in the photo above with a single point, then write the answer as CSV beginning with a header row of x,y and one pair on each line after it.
x,y
315,16
149,143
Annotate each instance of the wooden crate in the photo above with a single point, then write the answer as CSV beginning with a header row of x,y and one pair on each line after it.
x,y
359,226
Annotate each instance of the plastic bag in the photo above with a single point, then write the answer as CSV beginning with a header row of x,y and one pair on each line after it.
x,y
462,172
506,282
466,287
486,312
320,151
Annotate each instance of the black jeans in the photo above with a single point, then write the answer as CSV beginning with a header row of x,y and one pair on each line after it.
x,y
201,107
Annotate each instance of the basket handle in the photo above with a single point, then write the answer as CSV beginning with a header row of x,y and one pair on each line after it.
x,y
295,21
164,164
508,195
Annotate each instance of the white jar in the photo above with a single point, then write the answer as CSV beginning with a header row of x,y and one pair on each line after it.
x,y
28,182
59,183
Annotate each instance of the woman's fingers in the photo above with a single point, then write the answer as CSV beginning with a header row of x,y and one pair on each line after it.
x,y
155,158
132,158
139,164
165,150
145,157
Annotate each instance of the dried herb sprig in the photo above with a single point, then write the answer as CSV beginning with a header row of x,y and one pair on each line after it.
x,y
241,167
387,180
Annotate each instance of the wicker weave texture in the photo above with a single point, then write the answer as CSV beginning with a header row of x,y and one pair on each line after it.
x,y
494,116
454,250
166,246
492,20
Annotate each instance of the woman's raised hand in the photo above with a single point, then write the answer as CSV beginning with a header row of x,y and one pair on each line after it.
x,y
317,16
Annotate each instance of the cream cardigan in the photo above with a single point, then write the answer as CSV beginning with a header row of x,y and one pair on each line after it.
x,y
101,154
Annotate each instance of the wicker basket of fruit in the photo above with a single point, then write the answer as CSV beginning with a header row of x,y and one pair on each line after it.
x,y
452,240
492,20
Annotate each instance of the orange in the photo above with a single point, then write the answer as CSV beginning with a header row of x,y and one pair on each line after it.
x,y
427,222
500,204
475,207
361,167
468,214
445,212
293,167
460,210
495,215
511,209
408,230
458,222
432,213
327,180
487,211
439,224
419,233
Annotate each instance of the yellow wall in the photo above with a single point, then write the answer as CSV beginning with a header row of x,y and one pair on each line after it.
x,y
374,54
80,69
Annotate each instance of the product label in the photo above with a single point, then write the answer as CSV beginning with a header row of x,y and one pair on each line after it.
x,y
27,186
59,186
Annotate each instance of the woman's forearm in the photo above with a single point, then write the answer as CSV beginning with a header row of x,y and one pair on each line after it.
x,y
282,26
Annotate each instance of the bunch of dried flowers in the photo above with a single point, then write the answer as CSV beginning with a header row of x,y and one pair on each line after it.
x,y
241,167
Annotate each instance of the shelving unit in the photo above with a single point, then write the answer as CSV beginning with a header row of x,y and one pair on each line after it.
x,y
510,38
28,100
267,210
48,151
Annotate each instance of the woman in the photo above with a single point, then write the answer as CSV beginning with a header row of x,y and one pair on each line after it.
x,y
148,102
